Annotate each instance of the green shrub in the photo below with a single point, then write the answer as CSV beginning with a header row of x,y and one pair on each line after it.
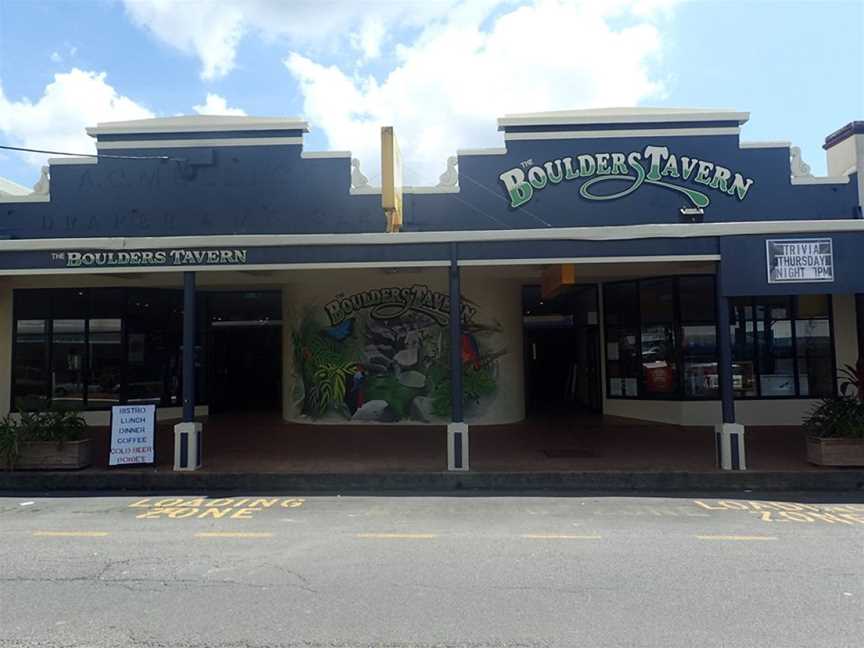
x,y
842,416
10,442
59,426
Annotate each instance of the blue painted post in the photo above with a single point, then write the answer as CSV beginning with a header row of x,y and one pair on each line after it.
x,y
728,435
457,430
724,367
455,338
859,317
188,347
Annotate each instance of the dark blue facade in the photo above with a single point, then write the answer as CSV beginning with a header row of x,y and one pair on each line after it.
x,y
602,182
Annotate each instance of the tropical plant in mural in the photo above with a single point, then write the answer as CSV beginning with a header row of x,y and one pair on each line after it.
x,y
392,367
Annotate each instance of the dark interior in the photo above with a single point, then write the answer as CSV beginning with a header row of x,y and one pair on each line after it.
x,y
562,351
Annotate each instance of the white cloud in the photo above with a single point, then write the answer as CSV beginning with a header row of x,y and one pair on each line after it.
x,y
56,121
213,29
462,73
56,57
217,105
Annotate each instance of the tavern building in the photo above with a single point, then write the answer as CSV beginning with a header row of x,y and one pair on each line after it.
x,y
583,271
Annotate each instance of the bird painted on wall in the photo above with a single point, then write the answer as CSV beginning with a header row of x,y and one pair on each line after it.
x,y
341,330
470,350
355,397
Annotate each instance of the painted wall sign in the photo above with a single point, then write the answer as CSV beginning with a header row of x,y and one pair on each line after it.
x,y
654,165
383,355
132,429
101,259
800,260
392,303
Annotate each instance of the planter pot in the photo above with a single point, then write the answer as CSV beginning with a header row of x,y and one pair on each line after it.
x,y
835,451
50,455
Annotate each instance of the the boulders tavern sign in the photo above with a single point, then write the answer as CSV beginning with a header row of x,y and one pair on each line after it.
x,y
654,165
177,257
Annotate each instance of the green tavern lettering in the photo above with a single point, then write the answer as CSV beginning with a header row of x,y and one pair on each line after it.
x,y
655,165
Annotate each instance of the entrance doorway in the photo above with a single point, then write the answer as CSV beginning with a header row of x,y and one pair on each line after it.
x,y
562,351
245,351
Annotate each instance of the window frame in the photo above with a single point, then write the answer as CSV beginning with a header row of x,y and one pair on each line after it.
x,y
681,356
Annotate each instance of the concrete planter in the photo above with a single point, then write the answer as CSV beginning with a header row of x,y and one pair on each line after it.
x,y
50,455
835,451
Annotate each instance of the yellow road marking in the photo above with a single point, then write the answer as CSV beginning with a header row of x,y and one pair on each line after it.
x,y
70,534
553,536
735,537
232,534
397,536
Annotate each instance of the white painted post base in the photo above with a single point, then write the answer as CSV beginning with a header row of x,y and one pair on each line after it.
x,y
729,440
187,446
457,446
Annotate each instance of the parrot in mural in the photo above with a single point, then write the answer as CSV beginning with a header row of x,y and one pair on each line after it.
x,y
470,350
355,391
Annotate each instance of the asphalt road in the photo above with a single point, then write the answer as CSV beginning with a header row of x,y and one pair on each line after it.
x,y
424,572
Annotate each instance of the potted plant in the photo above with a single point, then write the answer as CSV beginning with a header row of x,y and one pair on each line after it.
x,y
836,425
52,440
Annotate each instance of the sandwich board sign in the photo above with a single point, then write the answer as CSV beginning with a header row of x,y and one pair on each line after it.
x,y
132,432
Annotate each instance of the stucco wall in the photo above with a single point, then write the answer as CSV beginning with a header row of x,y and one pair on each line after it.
x,y
495,327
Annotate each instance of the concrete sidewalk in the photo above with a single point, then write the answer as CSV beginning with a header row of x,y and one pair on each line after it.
x,y
434,482
260,452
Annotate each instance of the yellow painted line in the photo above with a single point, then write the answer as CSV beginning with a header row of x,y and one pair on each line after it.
x,y
553,536
232,534
735,537
397,536
70,534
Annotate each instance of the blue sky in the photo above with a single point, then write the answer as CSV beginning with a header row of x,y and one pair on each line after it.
x,y
441,71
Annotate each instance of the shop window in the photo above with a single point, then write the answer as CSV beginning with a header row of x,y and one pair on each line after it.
x,y
699,345
659,359
622,361
666,346
814,350
659,339
94,348
30,372
154,325
69,367
742,330
105,362
783,347
621,306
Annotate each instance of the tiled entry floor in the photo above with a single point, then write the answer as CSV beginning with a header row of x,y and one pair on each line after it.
x,y
261,442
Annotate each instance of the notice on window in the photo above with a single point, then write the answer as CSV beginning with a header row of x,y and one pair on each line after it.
x,y
800,260
132,432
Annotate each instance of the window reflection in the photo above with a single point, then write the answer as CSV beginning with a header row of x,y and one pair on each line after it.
x,y
30,373
68,369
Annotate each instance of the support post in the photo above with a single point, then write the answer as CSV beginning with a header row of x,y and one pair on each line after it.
x,y
187,435
457,430
859,319
729,436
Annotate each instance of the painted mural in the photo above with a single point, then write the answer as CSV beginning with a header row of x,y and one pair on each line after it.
x,y
383,355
